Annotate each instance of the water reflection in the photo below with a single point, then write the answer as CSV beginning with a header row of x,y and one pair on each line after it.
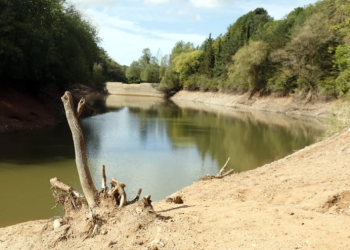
x,y
144,142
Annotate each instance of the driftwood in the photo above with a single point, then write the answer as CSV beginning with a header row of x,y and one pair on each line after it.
x,y
221,173
79,145
57,184
147,200
223,168
118,192
138,195
104,187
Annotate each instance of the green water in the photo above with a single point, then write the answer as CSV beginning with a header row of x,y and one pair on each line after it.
x,y
144,142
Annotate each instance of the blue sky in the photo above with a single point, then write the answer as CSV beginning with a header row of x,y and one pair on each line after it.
x,y
129,26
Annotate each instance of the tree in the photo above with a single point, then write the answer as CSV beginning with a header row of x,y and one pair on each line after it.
x,y
133,73
246,70
151,73
145,58
300,57
164,64
239,34
45,42
208,62
187,63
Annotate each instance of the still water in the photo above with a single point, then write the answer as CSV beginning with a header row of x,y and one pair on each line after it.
x,y
146,143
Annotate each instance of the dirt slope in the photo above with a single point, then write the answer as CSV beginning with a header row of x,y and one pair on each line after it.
x,y
299,202
317,107
142,89
22,111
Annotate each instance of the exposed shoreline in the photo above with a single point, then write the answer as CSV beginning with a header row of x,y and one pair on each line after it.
x,y
299,202
286,105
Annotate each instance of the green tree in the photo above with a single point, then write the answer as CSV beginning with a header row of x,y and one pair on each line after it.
x,y
133,73
187,63
208,61
246,72
151,73
164,64
301,56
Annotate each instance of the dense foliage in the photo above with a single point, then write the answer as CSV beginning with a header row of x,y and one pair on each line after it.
x,y
308,51
50,42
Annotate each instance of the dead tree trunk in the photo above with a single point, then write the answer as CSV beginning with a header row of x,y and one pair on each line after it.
x,y
80,152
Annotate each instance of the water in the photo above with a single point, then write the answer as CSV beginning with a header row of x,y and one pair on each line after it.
x,y
144,142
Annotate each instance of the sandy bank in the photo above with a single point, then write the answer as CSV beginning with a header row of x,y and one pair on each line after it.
x,y
285,105
142,89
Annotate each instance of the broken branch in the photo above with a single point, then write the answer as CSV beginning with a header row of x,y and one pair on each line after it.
x,y
223,168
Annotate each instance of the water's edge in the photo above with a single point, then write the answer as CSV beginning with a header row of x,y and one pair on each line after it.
x,y
289,105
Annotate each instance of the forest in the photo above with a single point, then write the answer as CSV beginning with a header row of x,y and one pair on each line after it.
x,y
307,53
50,42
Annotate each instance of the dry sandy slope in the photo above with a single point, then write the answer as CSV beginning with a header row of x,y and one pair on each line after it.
x,y
299,202
289,105
142,89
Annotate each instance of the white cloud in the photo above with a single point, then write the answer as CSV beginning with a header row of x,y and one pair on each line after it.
x,y
183,12
124,40
198,18
211,3
155,2
91,2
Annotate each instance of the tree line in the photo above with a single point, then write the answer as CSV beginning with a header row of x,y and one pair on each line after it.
x,y
50,42
307,52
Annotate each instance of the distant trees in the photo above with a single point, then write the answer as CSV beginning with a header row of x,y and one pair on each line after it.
x,y
50,42
146,69
305,52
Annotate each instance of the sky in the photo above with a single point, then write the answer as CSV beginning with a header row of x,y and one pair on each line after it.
x,y
128,26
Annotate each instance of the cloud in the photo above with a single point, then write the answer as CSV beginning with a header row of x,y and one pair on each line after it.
x,y
92,2
124,40
211,3
155,2
198,18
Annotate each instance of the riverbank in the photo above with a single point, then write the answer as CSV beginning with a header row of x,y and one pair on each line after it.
x,y
142,89
21,111
299,202
289,105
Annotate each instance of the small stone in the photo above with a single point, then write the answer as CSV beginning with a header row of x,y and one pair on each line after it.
x,y
161,243
253,245
56,224
177,199
104,232
138,210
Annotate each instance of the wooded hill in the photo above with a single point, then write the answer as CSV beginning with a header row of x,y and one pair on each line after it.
x,y
307,52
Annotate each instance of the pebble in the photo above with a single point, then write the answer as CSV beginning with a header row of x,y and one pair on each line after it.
x,y
56,224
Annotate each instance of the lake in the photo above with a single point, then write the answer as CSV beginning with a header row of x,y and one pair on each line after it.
x,y
145,142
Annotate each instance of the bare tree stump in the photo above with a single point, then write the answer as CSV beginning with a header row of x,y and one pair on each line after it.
x,y
79,145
